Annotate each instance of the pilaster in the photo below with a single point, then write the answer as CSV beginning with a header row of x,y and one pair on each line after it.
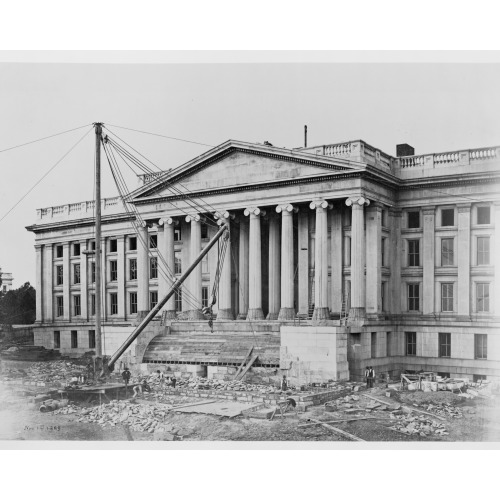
x,y
374,258
48,283
428,259
66,280
39,284
463,259
395,250
142,271
83,281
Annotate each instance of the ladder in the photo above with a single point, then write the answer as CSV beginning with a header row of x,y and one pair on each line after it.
x,y
344,312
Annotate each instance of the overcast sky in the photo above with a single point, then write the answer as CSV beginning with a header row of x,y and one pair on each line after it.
x,y
433,107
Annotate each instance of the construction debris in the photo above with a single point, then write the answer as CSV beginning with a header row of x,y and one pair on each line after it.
x,y
408,424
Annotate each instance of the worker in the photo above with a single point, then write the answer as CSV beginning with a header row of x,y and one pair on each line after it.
x,y
140,388
367,375
126,376
173,380
371,376
284,384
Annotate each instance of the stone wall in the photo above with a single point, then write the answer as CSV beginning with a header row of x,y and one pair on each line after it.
x,y
314,354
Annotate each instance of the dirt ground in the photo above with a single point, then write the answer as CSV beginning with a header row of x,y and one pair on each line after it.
x,y
480,421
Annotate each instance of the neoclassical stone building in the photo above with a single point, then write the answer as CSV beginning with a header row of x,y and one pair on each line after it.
x,y
340,256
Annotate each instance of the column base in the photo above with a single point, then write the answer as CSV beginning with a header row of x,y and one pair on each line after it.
x,y
241,316
357,313
170,314
255,315
321,314
286,314
195,314
225,314
272,316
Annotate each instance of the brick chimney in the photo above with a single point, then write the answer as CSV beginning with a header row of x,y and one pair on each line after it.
x,y
404,150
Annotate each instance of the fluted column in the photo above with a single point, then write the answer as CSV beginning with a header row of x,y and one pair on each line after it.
x,y
39,284
287,310
274,268
195,278
321,310
358,294
243,272
166,250
225,310
255,266
142,271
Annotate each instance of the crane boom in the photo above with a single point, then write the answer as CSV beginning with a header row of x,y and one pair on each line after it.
x,y
163,301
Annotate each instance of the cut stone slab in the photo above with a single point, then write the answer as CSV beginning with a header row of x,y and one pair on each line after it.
x,y
221,408
263,414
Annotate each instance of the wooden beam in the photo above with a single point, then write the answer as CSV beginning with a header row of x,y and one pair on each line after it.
x,y
252,361
249,353
404,406
352,437
344,420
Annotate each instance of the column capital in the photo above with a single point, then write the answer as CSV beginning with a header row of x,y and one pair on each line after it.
x,y
286,208
254,211
357,200
39,246
193,218
320,204
225,214
168,220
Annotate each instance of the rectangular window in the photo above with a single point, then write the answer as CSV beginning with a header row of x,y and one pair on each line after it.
x,y
483,215
113,246
413,253
178,262
204,230
153,299
74,339
482,297
446,297
383,295
76,249
132,243
483,251
444,345
413,296
93,272
113,270
444,374
133,302
204,296
178,301
59,275
57,340
113,300
92,304
76,274
374,345
447,253
204,264
477,378
153,268
77,308
413,220
132,269
59,251
153,241
347,254
92,245
448,217
382,249
60,306
388,344
411,343
177,234
480,346
91,339
384,218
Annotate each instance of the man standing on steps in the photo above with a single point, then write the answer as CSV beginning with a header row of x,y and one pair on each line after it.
x,y
371,377
126,378
367,377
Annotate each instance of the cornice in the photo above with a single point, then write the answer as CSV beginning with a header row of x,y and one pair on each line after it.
x,y
108,219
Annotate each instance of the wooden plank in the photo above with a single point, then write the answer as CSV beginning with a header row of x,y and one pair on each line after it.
x,y
352,437
345,420
193,404
252,361
249,353
404,406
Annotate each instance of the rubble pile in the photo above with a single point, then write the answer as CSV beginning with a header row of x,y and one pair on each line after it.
x,y
53,373
139,417
445,410
421,425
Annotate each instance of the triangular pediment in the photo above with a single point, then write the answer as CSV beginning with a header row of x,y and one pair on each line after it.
x,y
237,166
